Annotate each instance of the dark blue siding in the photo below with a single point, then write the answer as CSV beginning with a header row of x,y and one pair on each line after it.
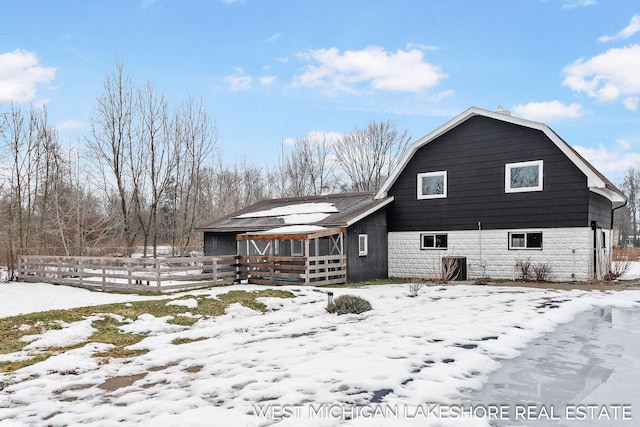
x,y
474,155
220,243
374,264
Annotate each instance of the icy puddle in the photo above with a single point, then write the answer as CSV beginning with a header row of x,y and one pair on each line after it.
x,y
586,372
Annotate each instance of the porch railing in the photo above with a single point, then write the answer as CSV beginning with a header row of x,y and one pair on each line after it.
x,y
288,270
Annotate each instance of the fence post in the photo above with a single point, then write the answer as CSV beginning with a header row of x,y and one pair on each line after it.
x,y
80,271
158,279
127,265
214,265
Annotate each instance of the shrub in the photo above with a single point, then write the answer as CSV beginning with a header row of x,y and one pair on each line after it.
x,y
524,265
345,304
542,272
414,289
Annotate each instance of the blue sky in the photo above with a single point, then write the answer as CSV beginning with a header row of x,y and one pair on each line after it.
x,y
273,70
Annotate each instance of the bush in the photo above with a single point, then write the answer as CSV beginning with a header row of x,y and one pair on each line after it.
x,y
345,304
542,272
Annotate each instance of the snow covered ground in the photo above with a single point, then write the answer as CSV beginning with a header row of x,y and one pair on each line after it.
x,y
406,362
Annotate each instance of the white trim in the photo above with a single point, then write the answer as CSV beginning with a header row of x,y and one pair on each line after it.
x,y
435,240
507,176
525,247
363,238
421,196
368,212
593,180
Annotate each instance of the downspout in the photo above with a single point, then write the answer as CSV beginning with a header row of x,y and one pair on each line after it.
x,y
612,212
484,271
594,227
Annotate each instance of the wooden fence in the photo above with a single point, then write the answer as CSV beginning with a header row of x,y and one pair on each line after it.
x,y
129,274
292,270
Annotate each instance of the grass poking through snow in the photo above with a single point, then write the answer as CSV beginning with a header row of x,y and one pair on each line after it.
x,y
111,317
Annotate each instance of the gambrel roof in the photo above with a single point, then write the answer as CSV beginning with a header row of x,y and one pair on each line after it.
x,y
596,182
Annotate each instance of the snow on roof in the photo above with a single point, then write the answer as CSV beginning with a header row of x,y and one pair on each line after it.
x,y
295,209
300,213
294,229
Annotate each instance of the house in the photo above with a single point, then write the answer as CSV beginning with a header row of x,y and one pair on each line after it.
x,y
316,240
494,193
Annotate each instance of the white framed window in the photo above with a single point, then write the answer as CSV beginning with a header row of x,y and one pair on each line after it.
x,y
297,248
523,176
432,185
363,244
525,240
433,241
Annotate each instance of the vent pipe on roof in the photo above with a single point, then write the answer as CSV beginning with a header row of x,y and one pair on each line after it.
x,y
503,111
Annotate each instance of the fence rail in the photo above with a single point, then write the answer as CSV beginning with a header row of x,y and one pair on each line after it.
x,y
129,274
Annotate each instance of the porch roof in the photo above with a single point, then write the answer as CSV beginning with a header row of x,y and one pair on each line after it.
x,y
292,233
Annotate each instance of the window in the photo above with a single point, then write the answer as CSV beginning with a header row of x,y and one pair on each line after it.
x,y
433,241
523,176
532,240
432,185
363,244
297,248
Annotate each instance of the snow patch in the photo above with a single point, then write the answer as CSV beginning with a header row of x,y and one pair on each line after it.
x,y
189,303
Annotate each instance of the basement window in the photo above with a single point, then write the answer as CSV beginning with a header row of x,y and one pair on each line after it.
x,y
432,185
523,176
529,240
433,241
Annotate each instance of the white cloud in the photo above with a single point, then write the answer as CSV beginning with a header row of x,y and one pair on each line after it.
x,y
20,73
624,143
626,32
609,76
267,80
373,67
547,112
631,103
422,47
611,163
272,38
69,124
239,81
148,3
316,135
572,4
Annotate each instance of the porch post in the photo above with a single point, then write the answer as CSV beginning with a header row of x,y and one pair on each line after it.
x,y
307,262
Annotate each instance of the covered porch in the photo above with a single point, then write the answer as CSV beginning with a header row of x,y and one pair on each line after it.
x,y
304,255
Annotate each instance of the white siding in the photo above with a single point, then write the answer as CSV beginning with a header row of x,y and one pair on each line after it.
x,y
568,251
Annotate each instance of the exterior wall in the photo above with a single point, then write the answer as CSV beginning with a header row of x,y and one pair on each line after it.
x,y
219,244
568,251
374,264
474,154
600,210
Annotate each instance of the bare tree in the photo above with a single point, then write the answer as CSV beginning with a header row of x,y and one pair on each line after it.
x,y
367,156
306,170
152,161
631,189
195,136
110,141
31,153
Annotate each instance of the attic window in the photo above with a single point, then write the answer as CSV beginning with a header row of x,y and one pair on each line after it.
x,y
432,185
523,176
